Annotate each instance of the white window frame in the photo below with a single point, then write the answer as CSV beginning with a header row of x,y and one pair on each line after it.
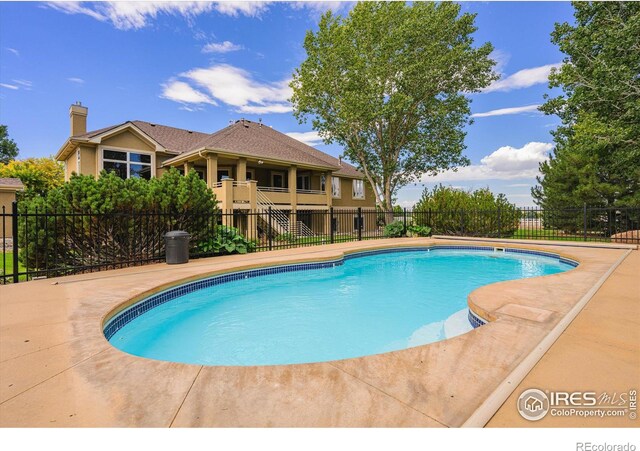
x,y
336,187
354,190
251,174
101,158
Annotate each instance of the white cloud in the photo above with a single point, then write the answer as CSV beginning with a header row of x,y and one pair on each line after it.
x,y
235,87
221,47
317,8
505,163
8,86
26,84
310,138
76,80
191,109
246,8
135,15
508,111
14,51
522,79
182,92
501,58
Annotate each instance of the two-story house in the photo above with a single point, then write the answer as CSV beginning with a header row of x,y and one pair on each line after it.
x,y
248,165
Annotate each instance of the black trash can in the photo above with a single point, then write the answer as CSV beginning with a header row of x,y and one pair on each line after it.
x,y
177,247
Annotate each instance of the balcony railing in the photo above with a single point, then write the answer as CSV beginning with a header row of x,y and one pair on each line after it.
x,y
242,193
273,189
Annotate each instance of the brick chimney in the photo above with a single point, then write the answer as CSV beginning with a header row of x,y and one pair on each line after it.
x,y
78,116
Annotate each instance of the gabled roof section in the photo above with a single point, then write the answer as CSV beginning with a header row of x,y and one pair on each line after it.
x,y
171,138
11,183
176,139
257,140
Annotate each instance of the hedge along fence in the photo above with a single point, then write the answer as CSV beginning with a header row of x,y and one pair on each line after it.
x,y
110,222
449,211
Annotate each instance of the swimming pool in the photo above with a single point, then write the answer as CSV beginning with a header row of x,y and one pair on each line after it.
x,y
364,304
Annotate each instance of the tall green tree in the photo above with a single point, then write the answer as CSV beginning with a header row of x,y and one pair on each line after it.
x,y
8,147
597,155
388,84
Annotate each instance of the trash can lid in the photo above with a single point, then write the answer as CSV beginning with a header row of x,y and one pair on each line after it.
x,y
177,234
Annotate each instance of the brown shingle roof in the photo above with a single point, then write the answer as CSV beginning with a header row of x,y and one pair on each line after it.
x,y
345,168
256,140
243,137
10,181
171,138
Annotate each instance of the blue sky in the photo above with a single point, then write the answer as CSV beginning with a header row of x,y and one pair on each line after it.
x,y
200,65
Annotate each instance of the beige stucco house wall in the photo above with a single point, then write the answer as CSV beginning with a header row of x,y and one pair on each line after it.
x,y
8,189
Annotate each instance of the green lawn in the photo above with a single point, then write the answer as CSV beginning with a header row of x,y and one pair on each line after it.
x,y
6,263
542,234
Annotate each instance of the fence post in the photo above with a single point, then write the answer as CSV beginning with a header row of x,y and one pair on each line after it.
x,y
270,234
584,216
14,232
499,224
331,228
404,221
359,223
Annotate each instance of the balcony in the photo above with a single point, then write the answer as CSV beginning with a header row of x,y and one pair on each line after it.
x,y
232,194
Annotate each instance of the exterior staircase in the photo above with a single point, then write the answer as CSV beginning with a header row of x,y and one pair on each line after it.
x,y
280,222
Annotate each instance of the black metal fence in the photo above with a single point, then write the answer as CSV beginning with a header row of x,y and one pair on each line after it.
x,y
45,243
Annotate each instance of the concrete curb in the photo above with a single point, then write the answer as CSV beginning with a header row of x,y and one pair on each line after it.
x,y
481,416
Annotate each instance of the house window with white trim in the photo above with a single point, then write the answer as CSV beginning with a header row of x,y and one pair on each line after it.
x,y
127,164
358,189
335,187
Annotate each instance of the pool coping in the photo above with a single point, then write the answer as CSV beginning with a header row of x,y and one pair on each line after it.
x,y
392,388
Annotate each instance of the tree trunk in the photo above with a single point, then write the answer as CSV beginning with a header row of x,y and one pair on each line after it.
x,y
388,207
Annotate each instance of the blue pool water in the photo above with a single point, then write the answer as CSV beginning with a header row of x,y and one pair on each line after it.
x,y
368,305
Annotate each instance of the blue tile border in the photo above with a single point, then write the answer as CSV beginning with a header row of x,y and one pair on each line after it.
x,y
126,316
475,320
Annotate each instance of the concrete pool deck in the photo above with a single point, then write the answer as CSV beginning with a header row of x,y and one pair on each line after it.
x,y
57,369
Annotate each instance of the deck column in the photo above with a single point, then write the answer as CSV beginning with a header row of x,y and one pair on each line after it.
x,y
188,165
241,170
252,221
293,193
226,202
212,170
328,190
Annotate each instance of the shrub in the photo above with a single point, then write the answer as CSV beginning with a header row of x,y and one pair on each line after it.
x,y
419,230
286,238
227,240
450,211
394,230
107,220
